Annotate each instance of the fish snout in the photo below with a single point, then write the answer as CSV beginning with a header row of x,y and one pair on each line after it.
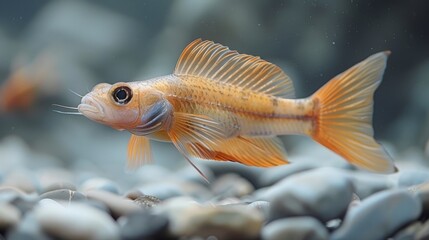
x,y
91,108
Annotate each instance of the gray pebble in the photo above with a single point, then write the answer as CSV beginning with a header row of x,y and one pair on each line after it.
x,y
18,198
379,216
162,190
58,186
409,178
423,232
64,195
23,180
365,183
323,193
25,203
9,216
28,228
76,221
333,224
118,205
231,185
143,225
409,232
296,228
250,173
275,174
169,189
263,207
54,178
17,235
97,204
8,194
100,184
422,192
190,219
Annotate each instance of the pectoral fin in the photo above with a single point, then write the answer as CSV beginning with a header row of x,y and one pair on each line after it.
x,y
195,135
139,151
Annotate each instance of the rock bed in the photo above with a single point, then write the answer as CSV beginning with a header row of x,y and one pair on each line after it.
x,y
298,201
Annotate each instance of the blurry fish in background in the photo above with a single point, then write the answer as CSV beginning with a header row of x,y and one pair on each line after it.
x,y
28,82
225,106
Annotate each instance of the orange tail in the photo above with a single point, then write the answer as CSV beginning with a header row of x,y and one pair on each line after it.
x,y
344,109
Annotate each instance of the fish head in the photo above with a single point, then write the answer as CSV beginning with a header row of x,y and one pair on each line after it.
x,y
114,105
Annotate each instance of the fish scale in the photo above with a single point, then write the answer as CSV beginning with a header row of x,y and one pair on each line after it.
x,y
253,115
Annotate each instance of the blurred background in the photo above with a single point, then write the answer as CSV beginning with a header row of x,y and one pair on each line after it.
x,y
50,47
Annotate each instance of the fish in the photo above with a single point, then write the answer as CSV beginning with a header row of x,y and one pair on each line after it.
x,y
222,105
27,83
17,92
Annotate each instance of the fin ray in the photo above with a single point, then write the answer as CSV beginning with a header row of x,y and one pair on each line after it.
x,y
258,152
344,109
191,131
216,62
139,151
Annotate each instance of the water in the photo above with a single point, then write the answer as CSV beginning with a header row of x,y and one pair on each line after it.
x,y
57,46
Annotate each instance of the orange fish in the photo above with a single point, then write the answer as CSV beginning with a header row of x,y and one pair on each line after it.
x,y
26,83
18,92
225,106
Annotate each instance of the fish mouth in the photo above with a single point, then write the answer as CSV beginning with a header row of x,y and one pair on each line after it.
x,y
91,109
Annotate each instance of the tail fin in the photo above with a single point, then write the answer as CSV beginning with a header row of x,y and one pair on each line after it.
x,y
344,115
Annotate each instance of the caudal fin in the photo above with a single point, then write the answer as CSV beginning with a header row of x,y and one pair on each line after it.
x,y
344,115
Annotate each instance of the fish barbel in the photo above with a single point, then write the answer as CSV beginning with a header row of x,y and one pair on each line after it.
x,y
225,106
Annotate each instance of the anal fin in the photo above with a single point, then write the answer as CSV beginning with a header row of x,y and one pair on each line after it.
x,y
258,152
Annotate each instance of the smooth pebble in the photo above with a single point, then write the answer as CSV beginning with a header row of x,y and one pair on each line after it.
x,y
28,228
231,185
275,174
9,216
409,232
190,219
262,206
422,192
76,221
423,232
64,195
23,180
365,184
220,168
175,188
143,225
100,184
297,228
323,193
409,178
118,205
58,186
8,194
379,216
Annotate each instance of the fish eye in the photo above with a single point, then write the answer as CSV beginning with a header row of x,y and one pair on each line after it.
x,y
122,95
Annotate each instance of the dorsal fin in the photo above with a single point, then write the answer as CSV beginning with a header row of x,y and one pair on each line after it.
x,y
216,62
